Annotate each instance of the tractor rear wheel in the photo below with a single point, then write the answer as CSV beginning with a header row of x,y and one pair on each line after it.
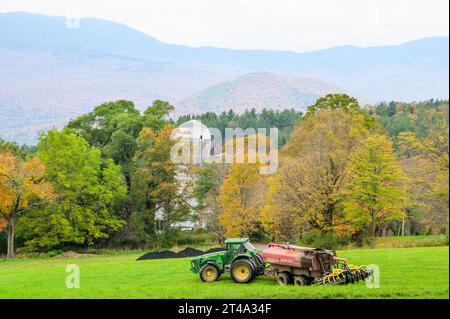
x,y
284,278
242,270
261,267
301,280
209,273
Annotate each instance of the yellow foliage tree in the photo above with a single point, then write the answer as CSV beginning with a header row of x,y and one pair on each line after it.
x,y
374,192
275,219
239,200
311,174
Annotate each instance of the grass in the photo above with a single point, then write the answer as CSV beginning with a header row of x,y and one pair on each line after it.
x,y
405,273
411,241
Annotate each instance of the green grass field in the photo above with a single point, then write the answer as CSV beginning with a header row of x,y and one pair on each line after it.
x,y
405,273
411,241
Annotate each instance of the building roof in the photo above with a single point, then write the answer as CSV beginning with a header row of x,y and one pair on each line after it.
x,y
236,240
192,130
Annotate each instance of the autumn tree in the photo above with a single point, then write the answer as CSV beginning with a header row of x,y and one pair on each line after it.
x,y
240,200
279,221
303,196
22,186
156,182
426,162
209,180
314,166
374,192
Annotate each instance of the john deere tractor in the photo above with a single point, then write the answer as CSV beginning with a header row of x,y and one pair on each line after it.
x,y
239,258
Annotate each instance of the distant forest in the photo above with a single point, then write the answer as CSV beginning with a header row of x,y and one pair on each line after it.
x,y
283,120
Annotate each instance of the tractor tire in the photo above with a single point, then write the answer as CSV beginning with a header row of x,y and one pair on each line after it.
x,y
209,273
302,280
261,267
284,278
242,271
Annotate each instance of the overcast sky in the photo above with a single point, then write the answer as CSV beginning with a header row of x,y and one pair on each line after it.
x,y
297,25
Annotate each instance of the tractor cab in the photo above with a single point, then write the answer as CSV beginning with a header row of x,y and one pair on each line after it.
x,y
238,246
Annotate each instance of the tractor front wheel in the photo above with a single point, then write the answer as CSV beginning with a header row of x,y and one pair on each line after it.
x,y
242,270
209,273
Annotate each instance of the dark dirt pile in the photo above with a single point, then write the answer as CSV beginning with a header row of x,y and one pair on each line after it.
x,y
187,252
72,254
159,255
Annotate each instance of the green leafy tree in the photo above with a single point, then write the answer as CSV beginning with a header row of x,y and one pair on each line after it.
x,y
156,116
86,192
11,147
113,128
333,102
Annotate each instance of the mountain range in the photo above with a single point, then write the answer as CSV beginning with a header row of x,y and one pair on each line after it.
x,y
50,73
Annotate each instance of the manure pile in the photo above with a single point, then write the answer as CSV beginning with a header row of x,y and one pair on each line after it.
x,y
187,252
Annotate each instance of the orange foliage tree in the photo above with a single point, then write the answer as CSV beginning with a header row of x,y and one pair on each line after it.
x,y
22,186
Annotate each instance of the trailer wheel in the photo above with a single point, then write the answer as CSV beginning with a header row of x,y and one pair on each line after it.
x,y
209,273
284,278
301,280
242,270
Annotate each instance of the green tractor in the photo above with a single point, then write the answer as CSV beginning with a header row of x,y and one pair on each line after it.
x,y
239,258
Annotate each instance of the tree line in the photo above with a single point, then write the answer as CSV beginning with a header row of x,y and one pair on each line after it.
x,y
284,120
345,174
98,181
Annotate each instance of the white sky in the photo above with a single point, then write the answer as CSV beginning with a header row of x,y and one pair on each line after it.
x,y
297,25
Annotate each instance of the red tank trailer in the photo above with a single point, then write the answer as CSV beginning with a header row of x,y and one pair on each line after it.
x,y
304,266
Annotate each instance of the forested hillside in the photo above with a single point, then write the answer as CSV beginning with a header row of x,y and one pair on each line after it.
x,y
258,91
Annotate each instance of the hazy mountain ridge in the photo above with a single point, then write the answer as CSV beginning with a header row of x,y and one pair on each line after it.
x,y
259,90
49,69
